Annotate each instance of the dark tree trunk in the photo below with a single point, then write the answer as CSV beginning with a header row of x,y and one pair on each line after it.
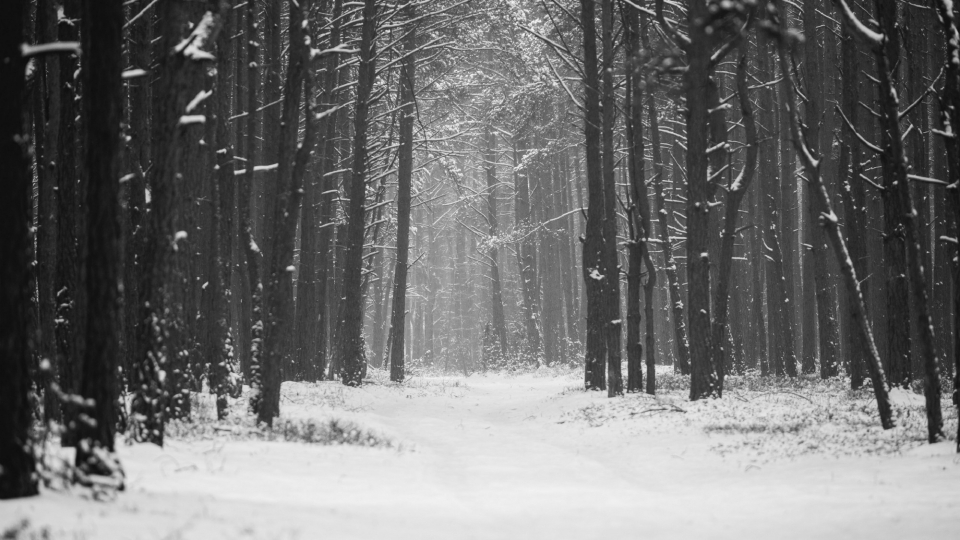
x,y
102,47
780,328
406,80
854,199
307,306
829,337
638,211
138,161
17,465
736,191
70,329
47,128
666,244
292,160
611,291
350,347
220,236
703,381
905,226
594,270
327,162
950,119
252,254
830,223
178,67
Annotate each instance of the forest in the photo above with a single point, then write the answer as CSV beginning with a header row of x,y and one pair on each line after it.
x,y
310,225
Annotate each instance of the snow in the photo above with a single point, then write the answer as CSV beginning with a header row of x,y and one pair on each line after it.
x,y
27,50
197,100
531,456
191,119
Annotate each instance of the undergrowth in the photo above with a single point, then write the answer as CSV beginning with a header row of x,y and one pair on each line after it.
x,y
775,418
331,431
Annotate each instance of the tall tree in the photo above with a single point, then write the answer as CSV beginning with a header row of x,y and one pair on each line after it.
x,y
17,465
181,62
703,382
70,330
950,120
900,218
496,300
406,80
102,34
351,312
736,190
611,285
594,262
826,327
828,219
292,161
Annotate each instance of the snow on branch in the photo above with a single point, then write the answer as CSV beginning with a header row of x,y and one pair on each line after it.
x,y
192,46
339,49
28,51
197,100
873,38
192,119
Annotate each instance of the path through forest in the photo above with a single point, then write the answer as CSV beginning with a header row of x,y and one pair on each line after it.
x,y
502,457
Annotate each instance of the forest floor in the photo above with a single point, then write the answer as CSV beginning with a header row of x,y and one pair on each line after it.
x,y
527,456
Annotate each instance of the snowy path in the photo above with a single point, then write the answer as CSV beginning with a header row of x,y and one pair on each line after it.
x,y
494,457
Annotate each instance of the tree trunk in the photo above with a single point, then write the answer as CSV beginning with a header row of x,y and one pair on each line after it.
x,y
220,237
854,198
47,122
70,288
292,162
829,338
17,465
950,119
611,291
666,244
736,191
594,269
638,211
178,66
328,129
703,382
351,312
407,80
830,223
102,34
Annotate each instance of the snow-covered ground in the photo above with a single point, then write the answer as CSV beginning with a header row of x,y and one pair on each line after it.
x,y
530,456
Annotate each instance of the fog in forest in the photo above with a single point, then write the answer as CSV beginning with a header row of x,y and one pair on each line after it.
x,y
479,269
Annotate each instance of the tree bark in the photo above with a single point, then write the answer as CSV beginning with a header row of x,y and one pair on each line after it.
x,y
611,285
703,382
179,65
736,191
102,33
351,312
17,464
292,162
407,80
829,337
70,288
594,263
830,223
